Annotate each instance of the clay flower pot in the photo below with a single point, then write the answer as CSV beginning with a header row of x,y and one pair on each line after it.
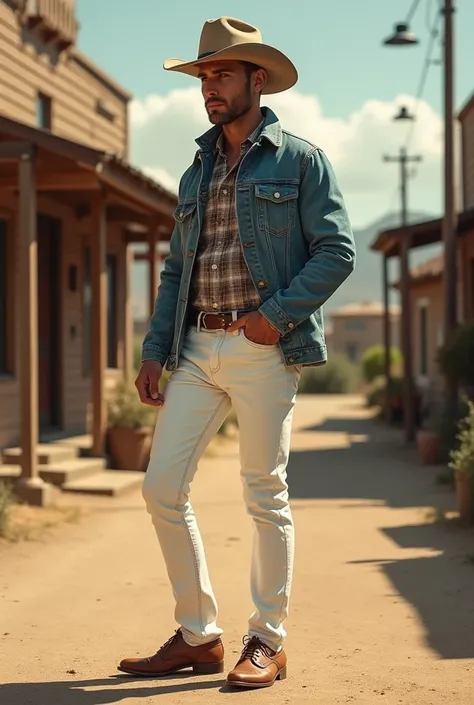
x,y
130,447
465,497
428,447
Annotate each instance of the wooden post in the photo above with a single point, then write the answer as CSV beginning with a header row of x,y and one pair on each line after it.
x,y
387,338
31,487
153,238
129,323
408,396
99,322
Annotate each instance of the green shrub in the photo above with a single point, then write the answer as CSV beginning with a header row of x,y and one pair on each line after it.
x,y
125,409
375,392
455,357
373,362
6,503
462,457
337,376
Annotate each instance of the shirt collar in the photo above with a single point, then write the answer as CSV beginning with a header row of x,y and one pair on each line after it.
x,y
246,144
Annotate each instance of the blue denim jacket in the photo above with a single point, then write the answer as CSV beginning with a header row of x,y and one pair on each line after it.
x,y
296,238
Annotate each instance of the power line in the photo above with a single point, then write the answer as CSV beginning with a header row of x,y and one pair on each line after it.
x,y
412,11
424,71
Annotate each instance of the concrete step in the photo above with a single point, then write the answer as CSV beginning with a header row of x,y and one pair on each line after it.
x,y
71,470
111,483
47,454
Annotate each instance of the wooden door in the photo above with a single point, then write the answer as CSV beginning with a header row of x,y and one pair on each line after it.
x,y
48,321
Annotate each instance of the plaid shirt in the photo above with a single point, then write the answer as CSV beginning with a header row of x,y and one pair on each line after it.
x,y
221,279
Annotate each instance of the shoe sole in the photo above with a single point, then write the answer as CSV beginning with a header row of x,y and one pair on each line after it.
x,y
280,676
199,669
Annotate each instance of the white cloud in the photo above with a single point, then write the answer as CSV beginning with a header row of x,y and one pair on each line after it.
x,y
164,129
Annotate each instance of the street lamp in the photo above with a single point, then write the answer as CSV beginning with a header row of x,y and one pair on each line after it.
x,y
401,37
404,114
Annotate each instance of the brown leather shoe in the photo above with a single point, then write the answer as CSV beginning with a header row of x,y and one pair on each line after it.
x,y
176,655
258,667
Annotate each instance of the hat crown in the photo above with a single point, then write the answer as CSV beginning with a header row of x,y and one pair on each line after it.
x,y
226,32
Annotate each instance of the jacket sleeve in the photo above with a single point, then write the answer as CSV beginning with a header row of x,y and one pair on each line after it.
x,y
331,248
158,341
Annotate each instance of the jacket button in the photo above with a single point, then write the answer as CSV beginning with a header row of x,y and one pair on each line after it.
x,y
261,284
190,253
277,194
291,325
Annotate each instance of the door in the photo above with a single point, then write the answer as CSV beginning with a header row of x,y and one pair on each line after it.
x,y
49,371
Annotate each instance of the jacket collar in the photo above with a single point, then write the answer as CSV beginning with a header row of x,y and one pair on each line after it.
x,y
271,131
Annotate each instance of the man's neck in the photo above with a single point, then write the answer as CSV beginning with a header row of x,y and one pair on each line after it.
x,y
237,132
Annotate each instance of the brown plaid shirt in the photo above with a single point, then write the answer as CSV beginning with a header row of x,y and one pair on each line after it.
x,y
221,279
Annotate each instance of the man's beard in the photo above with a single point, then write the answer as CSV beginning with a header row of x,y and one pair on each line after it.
x,y
234,111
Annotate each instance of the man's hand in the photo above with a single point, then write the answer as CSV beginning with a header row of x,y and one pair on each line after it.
x,y
257,329
147,383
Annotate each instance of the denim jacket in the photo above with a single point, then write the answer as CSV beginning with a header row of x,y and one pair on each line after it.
x,y
296,238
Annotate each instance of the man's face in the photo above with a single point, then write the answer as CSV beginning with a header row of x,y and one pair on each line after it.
x,y
227,90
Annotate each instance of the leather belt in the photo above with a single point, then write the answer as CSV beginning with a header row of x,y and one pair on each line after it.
x,y
212,321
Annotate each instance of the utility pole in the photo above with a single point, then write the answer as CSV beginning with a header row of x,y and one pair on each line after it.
x,y
408,396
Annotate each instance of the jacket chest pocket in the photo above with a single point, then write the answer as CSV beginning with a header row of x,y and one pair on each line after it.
x,y
185,215
276,207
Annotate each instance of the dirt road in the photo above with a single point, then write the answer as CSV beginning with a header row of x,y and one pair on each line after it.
x,y
383,598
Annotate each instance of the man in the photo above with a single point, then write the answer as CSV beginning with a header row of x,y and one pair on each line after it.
x,y
262,240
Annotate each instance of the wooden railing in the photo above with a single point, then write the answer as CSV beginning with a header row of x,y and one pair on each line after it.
x,y
55,19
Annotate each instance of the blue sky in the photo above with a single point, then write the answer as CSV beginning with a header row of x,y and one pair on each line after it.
x,y
336,45
349,89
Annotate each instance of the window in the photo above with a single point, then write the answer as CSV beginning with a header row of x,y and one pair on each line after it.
x,y
423,326
355,324
87,313
44,111
3,299
352,352
111,311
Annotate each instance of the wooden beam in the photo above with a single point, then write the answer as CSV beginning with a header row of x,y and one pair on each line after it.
x,y
128,363
67,181
30,487
408,392
139,194
99,321
14,151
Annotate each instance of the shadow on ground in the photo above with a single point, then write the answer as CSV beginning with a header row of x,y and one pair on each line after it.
x,y
377,469
99,691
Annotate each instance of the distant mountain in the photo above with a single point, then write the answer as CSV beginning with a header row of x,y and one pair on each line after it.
x,y
365,283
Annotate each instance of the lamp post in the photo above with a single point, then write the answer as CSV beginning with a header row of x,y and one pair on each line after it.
x,y
403,37
408,391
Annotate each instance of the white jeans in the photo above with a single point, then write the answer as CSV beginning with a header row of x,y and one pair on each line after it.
x,y
218,371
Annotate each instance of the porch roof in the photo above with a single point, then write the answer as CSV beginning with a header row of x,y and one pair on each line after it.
x,y
68,169
429,232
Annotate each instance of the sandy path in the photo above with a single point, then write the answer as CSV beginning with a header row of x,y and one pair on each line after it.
x,y
383,600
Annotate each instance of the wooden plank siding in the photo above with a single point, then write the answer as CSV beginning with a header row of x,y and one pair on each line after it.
x,y
468,159
75,384
73,88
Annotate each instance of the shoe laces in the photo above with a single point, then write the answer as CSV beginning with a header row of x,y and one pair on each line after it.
x,y
254,648
170,641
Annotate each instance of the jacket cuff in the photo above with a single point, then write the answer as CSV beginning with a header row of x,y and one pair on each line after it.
x,y
277,317
153,352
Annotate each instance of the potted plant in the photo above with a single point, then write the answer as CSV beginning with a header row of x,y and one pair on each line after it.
x,y
130,428
462,462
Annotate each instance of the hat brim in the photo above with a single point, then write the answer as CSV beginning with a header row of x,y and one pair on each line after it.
x,y
281,72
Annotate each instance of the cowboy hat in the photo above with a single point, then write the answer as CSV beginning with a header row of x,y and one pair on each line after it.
x,y
233,40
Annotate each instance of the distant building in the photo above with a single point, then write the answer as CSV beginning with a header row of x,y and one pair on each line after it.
x,y
359,326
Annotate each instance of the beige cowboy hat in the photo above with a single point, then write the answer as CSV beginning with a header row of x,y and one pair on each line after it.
x,y
230,39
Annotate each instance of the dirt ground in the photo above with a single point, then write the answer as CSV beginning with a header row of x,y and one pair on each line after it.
x,y
383,595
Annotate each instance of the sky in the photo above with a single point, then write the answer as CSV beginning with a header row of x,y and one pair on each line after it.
x,y
349,88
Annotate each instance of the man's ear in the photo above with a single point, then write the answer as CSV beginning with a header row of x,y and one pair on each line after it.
x,y
260,79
